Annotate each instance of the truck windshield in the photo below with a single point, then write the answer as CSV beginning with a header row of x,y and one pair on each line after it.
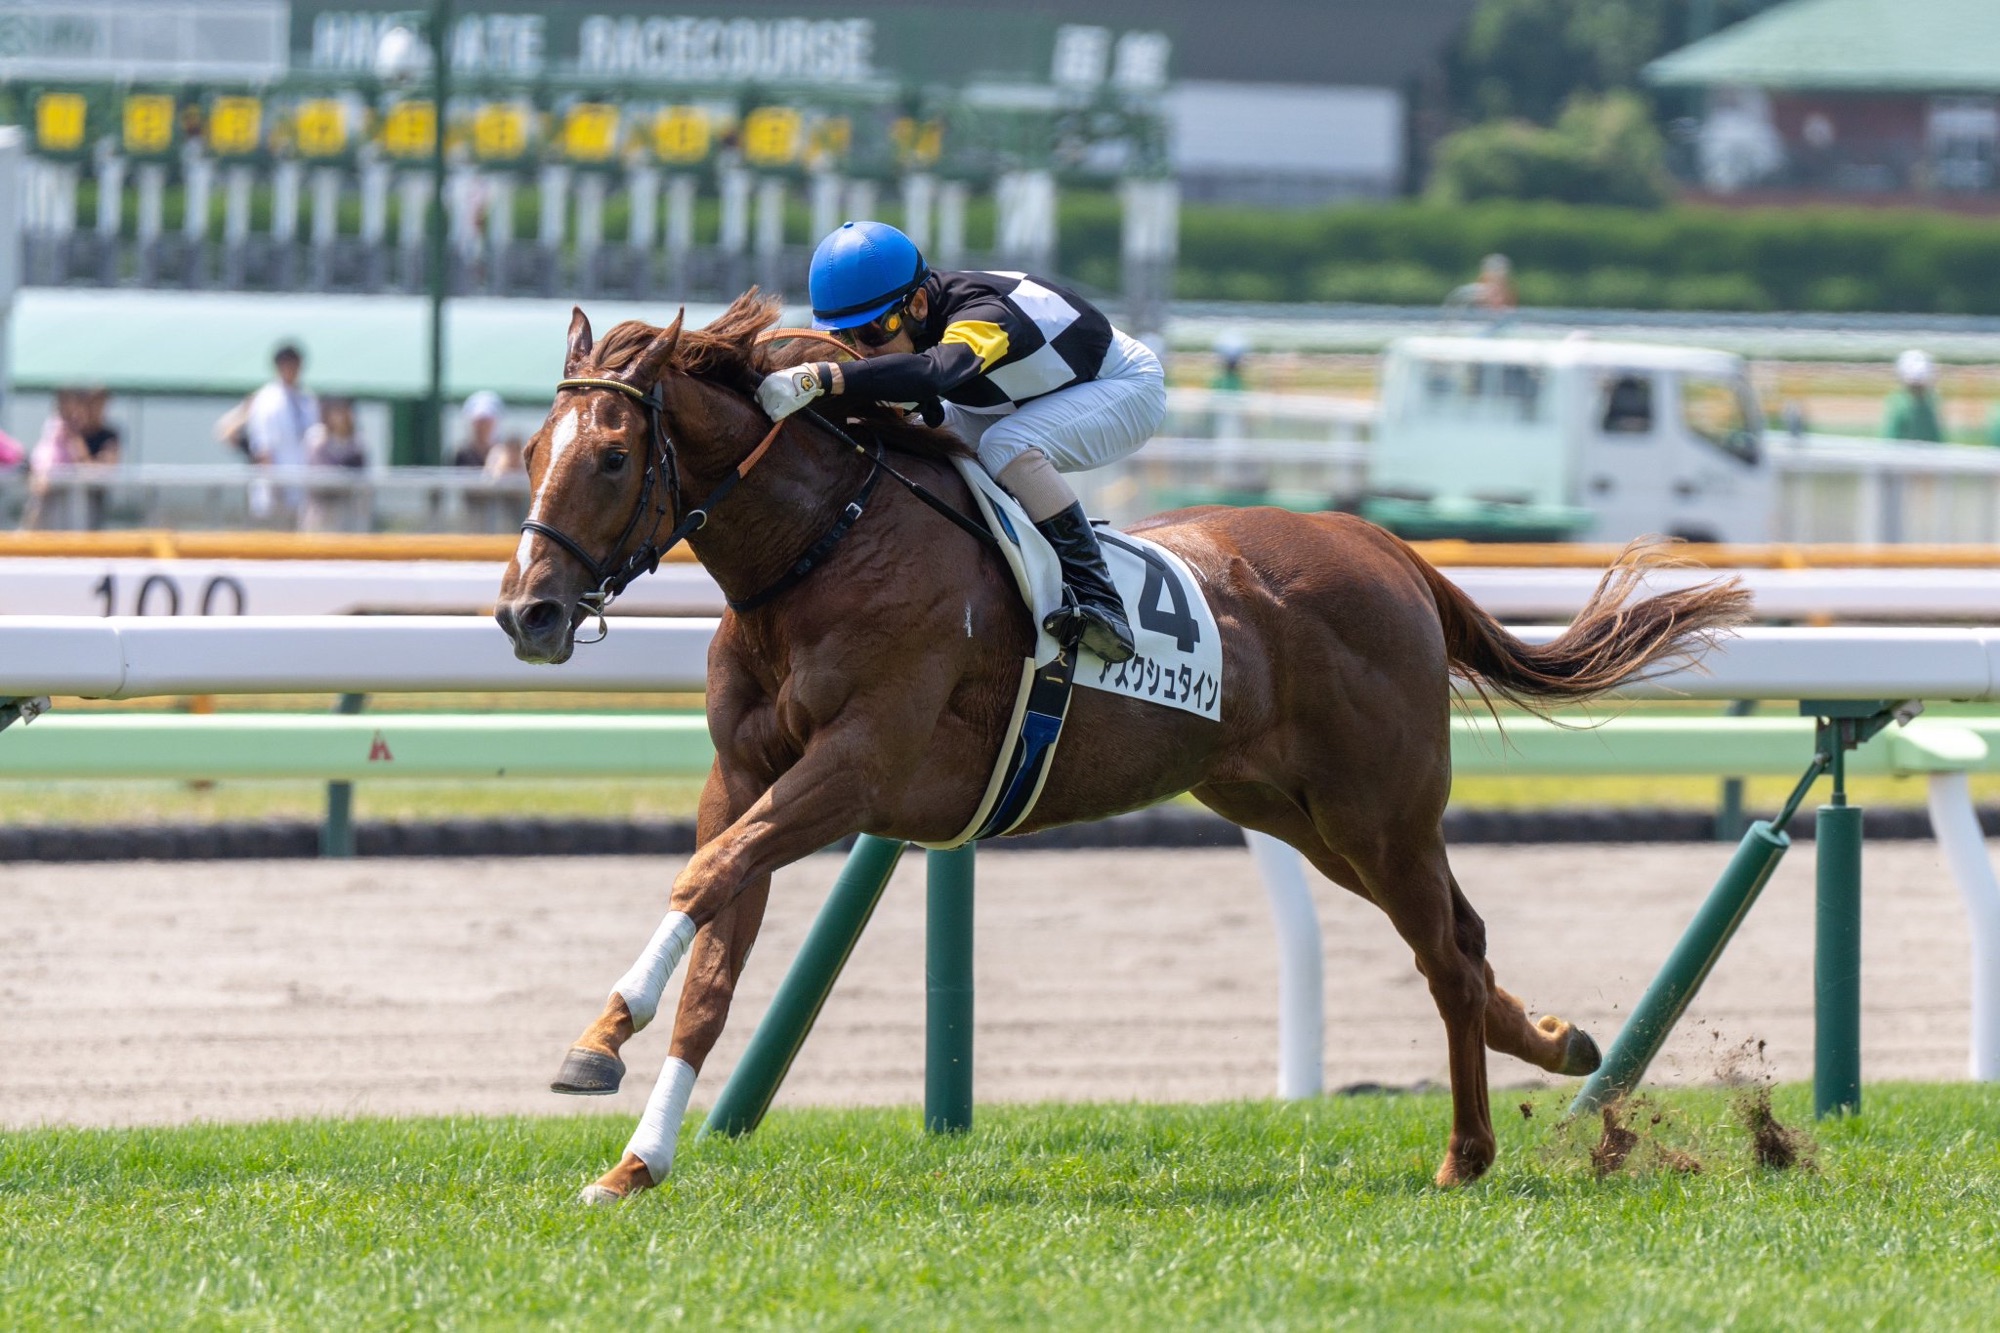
x,y
1628,405
1714,410
1481,390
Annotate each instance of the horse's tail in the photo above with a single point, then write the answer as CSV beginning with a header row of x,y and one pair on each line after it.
x,y
1613,639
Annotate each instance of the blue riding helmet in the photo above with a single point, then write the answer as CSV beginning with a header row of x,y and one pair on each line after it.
x,y
859,273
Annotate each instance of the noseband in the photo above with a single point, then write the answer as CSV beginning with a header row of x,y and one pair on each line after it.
x,y
659,490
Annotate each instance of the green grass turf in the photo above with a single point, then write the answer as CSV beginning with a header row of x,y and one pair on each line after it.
x,y
1248,1215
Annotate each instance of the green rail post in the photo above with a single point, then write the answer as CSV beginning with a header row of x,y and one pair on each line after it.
x,y
803,992
336,836
1749,870
1837,951
948,991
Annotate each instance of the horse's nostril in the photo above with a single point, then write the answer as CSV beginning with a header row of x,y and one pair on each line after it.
x,y
538,618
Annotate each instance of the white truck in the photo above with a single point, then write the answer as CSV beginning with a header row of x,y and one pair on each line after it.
x,y
1547,440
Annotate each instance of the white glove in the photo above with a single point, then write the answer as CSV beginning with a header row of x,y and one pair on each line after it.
x,y
786,391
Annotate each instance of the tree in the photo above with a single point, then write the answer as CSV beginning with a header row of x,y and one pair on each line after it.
x,y
1527,58
1602,150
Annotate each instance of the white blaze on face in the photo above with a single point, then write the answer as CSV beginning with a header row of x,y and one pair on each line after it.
x,y
560,439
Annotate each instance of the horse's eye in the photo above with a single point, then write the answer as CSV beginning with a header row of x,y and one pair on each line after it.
x,y
614,462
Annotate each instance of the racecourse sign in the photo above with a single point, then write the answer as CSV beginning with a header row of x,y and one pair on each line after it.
x,y
647,44
712,50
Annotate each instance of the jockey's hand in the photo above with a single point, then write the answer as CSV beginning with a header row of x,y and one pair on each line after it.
x,y
784,392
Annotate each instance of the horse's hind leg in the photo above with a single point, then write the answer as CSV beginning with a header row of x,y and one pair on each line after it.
x,y
1553,1044
1402,871
1405,874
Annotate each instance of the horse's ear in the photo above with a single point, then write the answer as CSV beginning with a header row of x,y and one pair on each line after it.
x,y
580,341
660,351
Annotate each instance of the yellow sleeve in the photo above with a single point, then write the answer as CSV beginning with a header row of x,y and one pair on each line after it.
x,y
989,341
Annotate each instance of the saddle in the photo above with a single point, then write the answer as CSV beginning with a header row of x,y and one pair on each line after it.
x,y
1178,665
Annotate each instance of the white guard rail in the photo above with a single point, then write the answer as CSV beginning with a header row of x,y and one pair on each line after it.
x,y
84,586
128,657
90,586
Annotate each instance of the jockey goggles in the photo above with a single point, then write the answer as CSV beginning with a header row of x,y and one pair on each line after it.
x,y
876,332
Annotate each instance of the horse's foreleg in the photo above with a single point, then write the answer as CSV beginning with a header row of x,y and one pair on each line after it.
x,y
714,966
593,1066
722,893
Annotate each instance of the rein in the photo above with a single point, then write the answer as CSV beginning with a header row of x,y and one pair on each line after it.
x,y
662,489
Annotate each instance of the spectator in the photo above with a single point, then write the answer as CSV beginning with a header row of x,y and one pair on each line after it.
x,y
333,441
507,504
1230,349
1912,412
101,441
1493,292
11,452
281,414
233,427
75,436
506,458
481,417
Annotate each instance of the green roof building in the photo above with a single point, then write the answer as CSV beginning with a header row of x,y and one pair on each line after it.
x,y
1895,99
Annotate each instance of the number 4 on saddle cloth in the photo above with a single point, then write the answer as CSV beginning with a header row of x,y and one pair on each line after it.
x,y
1178,665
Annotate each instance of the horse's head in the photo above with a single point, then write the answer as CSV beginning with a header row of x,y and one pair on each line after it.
x,y
604,482
598,483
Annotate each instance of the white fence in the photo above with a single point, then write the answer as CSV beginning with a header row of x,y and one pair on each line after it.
x,y
127,657
87,586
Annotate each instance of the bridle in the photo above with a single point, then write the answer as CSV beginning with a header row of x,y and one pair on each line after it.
x,y
659,490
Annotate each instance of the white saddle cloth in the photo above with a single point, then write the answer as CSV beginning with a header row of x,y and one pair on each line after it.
x,y
1179,664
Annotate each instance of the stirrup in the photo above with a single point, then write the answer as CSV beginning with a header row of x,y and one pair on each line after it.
x,y
1074,624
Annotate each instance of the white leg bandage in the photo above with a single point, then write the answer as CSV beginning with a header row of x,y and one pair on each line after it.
x,y
647,978
660,1128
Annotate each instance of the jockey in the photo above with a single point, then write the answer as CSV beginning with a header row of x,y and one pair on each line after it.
x,y
1028,373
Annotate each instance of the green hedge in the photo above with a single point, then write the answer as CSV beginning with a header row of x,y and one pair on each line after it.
x,y
1679,258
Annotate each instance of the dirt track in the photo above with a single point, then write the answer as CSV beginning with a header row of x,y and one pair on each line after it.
x,y
136,993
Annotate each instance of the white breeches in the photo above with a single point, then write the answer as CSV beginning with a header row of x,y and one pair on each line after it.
x,y
1082,427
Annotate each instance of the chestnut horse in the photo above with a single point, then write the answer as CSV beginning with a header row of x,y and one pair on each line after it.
x,y
871,696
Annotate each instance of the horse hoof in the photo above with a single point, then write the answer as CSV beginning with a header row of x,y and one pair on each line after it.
x,y
596,1196
588,1073
1580,1056
1457,1172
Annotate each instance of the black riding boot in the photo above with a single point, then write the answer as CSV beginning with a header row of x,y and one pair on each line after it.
x,y
1093,614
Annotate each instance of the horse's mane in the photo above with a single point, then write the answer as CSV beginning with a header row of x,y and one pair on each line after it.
x,y
727,352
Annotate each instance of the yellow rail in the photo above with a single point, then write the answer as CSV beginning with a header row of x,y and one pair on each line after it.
x,y
161,544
